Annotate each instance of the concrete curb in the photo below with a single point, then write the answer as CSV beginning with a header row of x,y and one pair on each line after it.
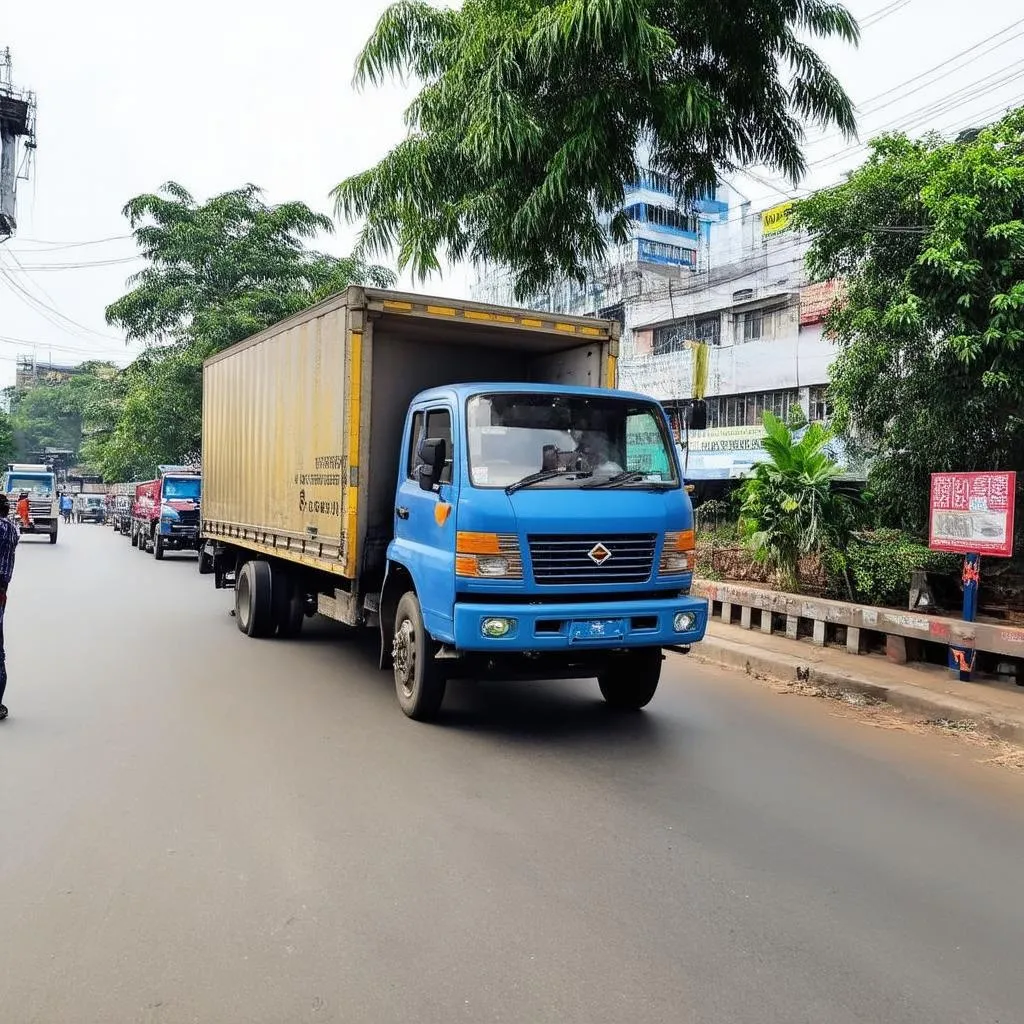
x,y
915,699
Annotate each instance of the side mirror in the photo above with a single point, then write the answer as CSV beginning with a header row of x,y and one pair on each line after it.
x,y
432,454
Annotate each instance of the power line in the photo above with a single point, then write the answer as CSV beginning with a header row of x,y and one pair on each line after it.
x,y
49,313
872,19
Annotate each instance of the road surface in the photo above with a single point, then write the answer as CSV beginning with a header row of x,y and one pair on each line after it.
x,y
201,827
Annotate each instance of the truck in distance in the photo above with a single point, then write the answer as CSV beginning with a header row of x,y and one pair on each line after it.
x,y
463,478
165,513
40,483
90,508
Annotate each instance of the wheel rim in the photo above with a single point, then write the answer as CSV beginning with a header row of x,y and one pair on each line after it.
x,y
243,600
403,654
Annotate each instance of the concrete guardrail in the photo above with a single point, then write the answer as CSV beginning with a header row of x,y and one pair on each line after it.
x,y
824,621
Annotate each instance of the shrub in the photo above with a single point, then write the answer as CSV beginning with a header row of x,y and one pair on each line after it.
x,y
879,565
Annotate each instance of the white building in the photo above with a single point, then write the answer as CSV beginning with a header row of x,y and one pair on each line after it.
x,y
732,278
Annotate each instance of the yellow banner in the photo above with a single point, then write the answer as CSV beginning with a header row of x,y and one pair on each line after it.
x,y
776,219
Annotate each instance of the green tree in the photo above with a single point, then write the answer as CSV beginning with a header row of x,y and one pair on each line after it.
x,y
218,272
225,269
525,130
790,506
7,446
928,237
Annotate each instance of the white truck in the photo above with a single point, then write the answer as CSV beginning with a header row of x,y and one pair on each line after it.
x,y
40,484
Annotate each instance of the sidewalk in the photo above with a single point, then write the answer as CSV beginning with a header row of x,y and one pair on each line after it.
x,y
996,709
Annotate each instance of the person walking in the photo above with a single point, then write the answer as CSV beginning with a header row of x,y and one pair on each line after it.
x,y
8,546
67,504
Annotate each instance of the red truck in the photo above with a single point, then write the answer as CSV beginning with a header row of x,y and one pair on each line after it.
x,y
165,512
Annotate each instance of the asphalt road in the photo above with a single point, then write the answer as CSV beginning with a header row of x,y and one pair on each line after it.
x,y
201,827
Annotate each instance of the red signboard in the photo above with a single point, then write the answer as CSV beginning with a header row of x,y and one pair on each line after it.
x,y
972,513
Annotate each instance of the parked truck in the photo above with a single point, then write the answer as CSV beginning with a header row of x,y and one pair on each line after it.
x,y
463,478
165,513
40,483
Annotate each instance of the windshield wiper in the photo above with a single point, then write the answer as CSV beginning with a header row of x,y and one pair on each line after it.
x,y
619,480
544,474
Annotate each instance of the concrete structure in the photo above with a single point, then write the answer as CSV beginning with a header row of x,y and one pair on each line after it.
x,y
17,143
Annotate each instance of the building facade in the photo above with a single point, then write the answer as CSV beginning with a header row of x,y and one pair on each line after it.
x,y
734,280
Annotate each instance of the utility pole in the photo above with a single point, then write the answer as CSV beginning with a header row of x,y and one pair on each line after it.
x,y
17,143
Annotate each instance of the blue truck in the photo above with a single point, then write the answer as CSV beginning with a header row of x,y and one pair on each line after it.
x,y
464,479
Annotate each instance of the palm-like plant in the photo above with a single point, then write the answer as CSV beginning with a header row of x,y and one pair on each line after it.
x,y
790,506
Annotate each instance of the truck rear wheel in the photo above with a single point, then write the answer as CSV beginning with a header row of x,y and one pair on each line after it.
x,y
254,603
135,538
419,681
289,607
629,681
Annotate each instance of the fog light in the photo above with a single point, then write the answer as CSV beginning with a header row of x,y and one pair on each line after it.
x,y
497,628
492,565
684,622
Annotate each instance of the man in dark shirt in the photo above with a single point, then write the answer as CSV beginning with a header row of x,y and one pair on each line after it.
x,y
8,544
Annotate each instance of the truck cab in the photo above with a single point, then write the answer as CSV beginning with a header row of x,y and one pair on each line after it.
x,y
40,483
165,515
540,531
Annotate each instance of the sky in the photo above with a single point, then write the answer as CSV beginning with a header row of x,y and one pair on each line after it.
x,y
218,94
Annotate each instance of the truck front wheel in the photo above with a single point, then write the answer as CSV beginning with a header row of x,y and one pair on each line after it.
x,y
158,546
254,602
629,681
135,537
53,535
419,681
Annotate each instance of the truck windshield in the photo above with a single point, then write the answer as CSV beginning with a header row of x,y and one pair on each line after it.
x,y
40,485
576,441
182,488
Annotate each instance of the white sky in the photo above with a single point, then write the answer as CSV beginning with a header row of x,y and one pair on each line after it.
x,y
221,93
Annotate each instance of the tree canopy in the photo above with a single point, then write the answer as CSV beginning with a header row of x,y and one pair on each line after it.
x,y
530,115
218,271
928,237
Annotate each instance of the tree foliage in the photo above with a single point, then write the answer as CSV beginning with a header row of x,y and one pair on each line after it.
x,y
217,273
525,131
928,237
790,506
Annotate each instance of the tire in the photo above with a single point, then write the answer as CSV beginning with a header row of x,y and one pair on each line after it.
x,y
158,547
631,679
254,604
53,535
419,681
135,538
289,607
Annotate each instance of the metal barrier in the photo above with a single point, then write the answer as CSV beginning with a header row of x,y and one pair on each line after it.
x,y
822,621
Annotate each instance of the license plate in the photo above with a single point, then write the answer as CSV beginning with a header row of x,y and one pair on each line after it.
x,y
597,629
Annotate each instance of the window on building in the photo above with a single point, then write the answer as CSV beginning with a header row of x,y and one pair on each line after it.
x,y
819,406
748,410
762,324
674,337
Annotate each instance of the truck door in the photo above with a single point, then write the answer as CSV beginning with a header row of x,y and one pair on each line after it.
x,y
425,520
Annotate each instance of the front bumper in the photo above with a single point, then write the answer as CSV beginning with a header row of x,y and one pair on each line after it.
x,y
576,626
174,531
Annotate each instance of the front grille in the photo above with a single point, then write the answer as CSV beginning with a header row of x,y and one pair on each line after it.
x,y
39,508
188,518
565,559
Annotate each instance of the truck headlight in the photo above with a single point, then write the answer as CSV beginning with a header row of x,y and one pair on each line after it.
x,y
488,556
677,553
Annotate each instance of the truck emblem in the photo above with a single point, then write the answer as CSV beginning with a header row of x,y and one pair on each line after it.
x,y
599,554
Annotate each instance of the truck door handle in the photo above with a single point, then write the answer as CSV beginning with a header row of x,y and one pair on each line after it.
x,y
402,513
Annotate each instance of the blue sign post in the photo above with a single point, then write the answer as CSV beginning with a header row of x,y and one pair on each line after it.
x,y
961,656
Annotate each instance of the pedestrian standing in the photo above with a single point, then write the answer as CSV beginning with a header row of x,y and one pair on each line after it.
x,y
8,545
